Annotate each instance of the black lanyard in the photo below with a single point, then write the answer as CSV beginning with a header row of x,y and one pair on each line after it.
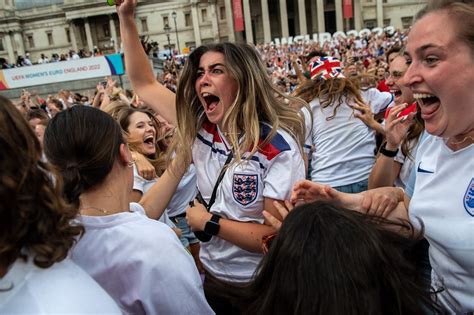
x,y
216,185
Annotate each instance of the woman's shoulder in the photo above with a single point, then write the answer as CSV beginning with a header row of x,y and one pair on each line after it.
x,y
63,287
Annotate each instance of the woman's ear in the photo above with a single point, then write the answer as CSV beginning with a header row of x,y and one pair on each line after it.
x,y
125,157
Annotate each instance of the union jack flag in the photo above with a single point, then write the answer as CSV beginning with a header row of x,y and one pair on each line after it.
x,y
326,67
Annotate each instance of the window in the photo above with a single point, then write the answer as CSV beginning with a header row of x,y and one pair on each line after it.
x,y
31,41
144,24
370,24
407,22
386,22
106,30
166,20
2,48
50,38
222,13
68,34
187,19
204,15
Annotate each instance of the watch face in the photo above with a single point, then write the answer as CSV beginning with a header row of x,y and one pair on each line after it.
x,y
212,228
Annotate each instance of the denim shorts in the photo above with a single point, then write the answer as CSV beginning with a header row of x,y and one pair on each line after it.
x,y
355,187
187,237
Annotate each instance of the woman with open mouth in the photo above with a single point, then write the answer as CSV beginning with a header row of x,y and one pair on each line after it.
x,y
246,146
397,155
439,197
141,130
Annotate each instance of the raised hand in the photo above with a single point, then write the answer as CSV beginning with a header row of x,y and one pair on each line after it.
x,y
381,201
396,128
282,209
307,191
144,167
125,8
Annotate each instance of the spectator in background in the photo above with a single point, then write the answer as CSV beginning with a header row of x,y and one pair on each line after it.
x,y
54,106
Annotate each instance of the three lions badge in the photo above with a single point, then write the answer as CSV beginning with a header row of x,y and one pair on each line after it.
x,y
245,188
469,198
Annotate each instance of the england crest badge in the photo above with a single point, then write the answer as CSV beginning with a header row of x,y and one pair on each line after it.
x,y
469,198
245,188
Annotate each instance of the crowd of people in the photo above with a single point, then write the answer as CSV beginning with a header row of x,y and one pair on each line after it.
x,y
23,61
292,179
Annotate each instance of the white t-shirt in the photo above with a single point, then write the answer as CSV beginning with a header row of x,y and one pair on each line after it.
x,y
143,185
378,101
407,163
63,288
308,129
270,173
141,263
443,199
185,192
343,146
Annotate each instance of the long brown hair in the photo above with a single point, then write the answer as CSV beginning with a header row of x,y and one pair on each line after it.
x,y
33,216
83,143
255,103
332,92
122,112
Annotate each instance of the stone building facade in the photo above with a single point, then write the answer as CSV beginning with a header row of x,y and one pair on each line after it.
x,y
62,25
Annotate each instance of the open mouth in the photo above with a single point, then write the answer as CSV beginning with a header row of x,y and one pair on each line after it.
x,y
425,99
396,93
428,103
210,100
149,140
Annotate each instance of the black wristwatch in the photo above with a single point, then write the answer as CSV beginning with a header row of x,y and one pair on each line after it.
x,y
212,226
386,152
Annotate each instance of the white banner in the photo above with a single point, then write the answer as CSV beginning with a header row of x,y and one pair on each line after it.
x,y
80,69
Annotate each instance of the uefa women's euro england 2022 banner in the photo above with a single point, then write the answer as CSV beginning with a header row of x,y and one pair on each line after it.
x,y
72,70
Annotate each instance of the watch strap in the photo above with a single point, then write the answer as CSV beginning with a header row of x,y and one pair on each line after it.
x,y
388,153
212,226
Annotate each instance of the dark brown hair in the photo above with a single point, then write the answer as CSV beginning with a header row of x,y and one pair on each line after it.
x,y
33,216
328,260
122,112
83,143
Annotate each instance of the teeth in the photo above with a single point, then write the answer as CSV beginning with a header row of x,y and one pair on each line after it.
x,y
205,94
421,95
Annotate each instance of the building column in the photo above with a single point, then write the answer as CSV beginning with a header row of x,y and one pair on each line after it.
x,y
72,33
314,18
195,16
214,20
230,20
339,21
113,32
90,44
357,15
321,22
302,17
9,47
20,46
284,19
379,13
267,32
248,22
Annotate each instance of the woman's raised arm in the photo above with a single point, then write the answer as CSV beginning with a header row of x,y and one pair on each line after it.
x,y
140,74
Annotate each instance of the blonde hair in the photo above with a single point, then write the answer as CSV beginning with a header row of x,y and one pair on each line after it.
x,y
255,103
